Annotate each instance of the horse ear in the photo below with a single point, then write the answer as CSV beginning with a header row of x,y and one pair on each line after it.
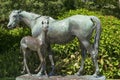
x,y
19,11
42,22
47,17
47,21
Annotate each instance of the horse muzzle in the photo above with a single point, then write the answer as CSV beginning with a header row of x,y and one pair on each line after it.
x,y
9,26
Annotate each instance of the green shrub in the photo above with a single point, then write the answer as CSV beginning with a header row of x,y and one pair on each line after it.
x,y
9,51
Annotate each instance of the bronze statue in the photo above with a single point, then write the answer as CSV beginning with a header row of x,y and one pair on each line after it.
x,y
63,31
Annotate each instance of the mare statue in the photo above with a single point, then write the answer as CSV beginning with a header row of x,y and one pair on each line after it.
x,y
38,44
63,31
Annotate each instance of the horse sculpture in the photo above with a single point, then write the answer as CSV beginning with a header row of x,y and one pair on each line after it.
x,y
63,31
35,44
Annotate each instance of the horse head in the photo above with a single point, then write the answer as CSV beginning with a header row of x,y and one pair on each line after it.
x,y
14,18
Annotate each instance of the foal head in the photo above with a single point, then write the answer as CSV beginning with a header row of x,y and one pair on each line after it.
x,y
45,24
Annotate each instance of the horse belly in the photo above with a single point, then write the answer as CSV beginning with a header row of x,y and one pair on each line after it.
x,y
60,37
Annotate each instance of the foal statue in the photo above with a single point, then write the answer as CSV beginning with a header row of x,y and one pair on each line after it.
x,y
35,44
63,31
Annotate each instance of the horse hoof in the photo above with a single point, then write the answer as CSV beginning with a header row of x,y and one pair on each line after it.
x,y
28,74
77,74
22,72
51,74
36,70
39,75
95,75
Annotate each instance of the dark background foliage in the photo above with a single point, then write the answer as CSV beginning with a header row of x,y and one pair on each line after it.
x,y
67,57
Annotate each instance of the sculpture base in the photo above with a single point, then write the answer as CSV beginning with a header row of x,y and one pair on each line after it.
x,y
68,77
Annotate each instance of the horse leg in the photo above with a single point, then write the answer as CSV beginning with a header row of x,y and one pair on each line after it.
x,y
45,66
83,53
92,51
51,60
94,58
44,60
94,55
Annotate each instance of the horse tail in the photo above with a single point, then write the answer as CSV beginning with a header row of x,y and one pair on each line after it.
x,y
97,26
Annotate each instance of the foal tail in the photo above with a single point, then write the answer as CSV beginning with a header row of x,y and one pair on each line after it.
x,y
97,25
20,49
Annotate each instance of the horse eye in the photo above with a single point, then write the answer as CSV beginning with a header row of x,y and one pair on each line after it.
x,y
14,16
42,22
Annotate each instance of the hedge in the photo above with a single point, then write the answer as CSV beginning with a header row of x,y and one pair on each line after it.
x,y
67,57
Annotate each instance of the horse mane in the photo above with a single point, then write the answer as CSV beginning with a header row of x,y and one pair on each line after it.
x,y
33,14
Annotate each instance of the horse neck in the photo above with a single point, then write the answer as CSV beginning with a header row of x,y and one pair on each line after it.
x,y
51,19
28,18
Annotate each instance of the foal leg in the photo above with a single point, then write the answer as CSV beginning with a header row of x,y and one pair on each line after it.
x,y
43,68
23,71
83,53
41,59
38,68
41,54
25,61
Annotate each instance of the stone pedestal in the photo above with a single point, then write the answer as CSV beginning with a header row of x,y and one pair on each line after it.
x,y
68,77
